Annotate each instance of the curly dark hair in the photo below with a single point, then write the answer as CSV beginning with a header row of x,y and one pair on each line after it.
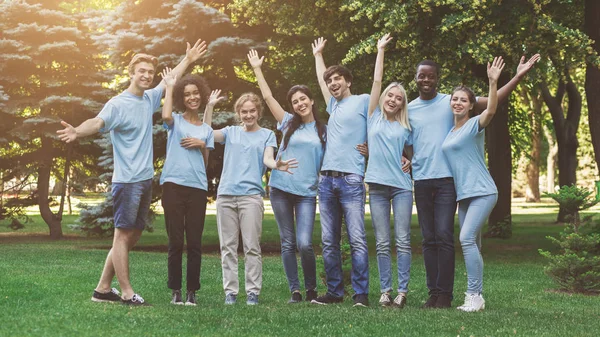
x,y
189,79
296,121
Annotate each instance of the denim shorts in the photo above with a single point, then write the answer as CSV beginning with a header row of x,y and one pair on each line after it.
x,y
131,204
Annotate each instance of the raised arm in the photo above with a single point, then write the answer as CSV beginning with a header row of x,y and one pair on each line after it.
x,y
169,78
192,54
273,105
378,75
493,71
505,91
89,127
215,97
281,165
317,46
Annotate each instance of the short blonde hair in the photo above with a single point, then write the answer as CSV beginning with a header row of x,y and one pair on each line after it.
x,y
139,58
402,115
252,97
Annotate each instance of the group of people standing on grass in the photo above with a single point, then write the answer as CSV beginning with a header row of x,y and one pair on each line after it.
x,y
442,135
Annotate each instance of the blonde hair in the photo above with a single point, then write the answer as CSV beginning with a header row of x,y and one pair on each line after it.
x,y
252,97
139,58
402,114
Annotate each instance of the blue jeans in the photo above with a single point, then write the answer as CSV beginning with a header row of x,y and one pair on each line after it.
x,y
472,214
436,206
381,199
285,206
344,196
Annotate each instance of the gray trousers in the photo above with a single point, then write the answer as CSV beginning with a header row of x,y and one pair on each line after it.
x,y
240,214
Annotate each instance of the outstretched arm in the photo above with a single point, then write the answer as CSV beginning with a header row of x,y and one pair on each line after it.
x,y
273,105
378,75
317,46
192,54
505,91
169,78
281,165
89,127
492,102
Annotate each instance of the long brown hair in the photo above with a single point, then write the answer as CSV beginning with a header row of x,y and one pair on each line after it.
x,y
296,120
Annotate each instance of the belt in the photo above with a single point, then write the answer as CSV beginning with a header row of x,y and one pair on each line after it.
x,y
334,173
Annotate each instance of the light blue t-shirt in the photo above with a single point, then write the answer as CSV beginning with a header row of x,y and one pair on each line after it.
x,y
129,119
430,122
347,127
304,145
183,166
243,166
386,143
463,149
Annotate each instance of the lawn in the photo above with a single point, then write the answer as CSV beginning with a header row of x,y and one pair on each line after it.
x,y
45,288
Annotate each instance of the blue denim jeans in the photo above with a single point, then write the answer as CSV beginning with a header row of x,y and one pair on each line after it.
x,y
436,206
285,206
472,214
382,199
344,197
131,204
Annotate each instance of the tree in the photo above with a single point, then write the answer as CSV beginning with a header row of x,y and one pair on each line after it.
x,y
592,75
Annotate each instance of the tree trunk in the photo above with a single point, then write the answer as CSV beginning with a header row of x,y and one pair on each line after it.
x,y
532,191
592,77
551,161
65,183
43,185
500,166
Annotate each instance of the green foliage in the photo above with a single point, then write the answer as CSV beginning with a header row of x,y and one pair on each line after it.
x,y
576,267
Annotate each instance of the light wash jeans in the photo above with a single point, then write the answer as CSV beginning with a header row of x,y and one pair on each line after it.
x,y
285,206
381,199
344,197
472,214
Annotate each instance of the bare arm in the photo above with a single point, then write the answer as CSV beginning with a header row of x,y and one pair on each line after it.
x,y
89,127
273,105
492,102
378,75
318,46
505,91
192,54
169,78
281,165
205,153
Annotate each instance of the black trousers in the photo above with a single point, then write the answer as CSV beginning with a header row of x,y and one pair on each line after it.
x,y
185,209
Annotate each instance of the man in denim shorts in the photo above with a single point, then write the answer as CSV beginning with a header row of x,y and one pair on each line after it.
x,y
128,118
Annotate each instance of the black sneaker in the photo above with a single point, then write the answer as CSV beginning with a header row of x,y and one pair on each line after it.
x,y
311,295
112,296
327,299
176,297
296,297
135,300
190,298
361,300
443,301
430,303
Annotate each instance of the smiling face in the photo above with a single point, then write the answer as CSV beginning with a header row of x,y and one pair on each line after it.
x,y
427,80
249,114
142,76
460,104
192,98
393,101
301,104
338,87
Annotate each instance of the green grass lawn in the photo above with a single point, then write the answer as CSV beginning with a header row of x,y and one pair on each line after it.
x,y
45,289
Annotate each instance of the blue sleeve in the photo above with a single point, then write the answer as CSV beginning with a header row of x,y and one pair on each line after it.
x,y
365,102
330,105
224,131
210,139
286,118
110,116
271,140
474,128
172,126
409,139
155,95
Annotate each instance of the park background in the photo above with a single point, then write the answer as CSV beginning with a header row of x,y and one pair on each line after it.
x,y
62,60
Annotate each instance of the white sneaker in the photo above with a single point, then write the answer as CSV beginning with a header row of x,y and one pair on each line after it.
x,y
385,300
473,302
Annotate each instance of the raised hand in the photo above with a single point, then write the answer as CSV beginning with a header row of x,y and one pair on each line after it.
x,y
68,134
524,67
195,52
191,142
286,165
215,97
384,41
495,69
254,60
318,45
405,164
169,77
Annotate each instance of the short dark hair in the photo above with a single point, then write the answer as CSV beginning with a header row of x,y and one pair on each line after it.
x,y
189,79
431,64
338,69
